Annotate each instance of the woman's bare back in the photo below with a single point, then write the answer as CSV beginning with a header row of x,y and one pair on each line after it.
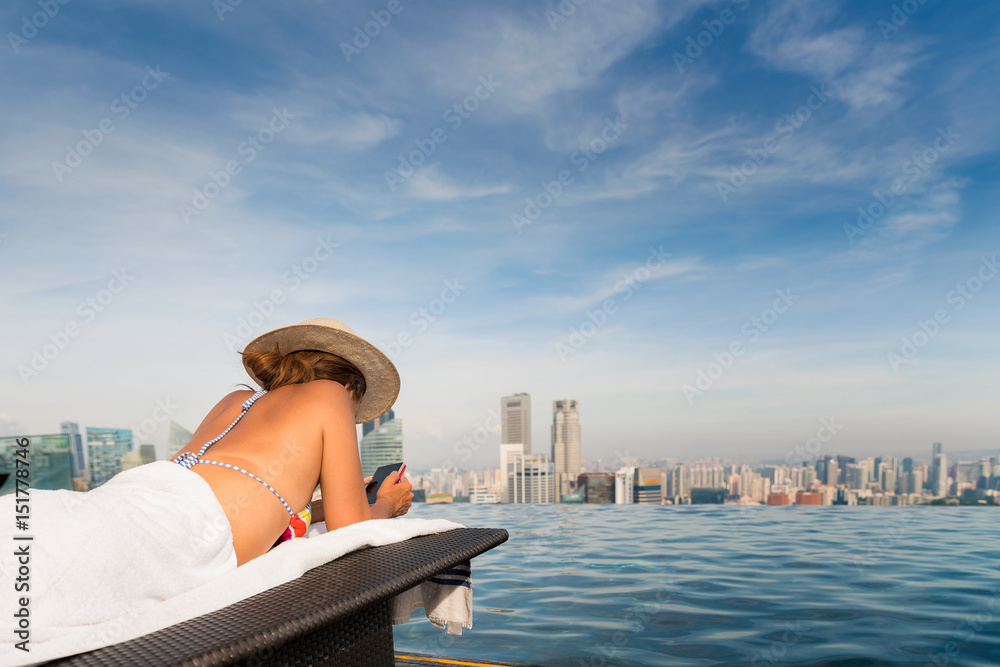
x,y
292,438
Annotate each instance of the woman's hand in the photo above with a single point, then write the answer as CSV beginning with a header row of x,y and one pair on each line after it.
x,y
393,499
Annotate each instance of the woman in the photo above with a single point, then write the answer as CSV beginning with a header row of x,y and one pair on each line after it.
x,y
318,380
159,530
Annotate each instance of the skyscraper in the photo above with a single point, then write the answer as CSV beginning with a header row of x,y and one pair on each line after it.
x,y
939,476
105,449
368,427
79,452
565,444
177,440
515,420
381,444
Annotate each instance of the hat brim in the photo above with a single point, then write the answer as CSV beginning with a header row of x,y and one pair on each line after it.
x,y
381,376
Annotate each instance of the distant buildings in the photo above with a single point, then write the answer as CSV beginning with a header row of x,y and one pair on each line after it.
x,y
566,454
137,457
530,479
382,443
105,449
177,440
76,446
49,457
598,487
515,421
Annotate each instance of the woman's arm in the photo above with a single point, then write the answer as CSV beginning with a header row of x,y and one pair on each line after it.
x,y
344,499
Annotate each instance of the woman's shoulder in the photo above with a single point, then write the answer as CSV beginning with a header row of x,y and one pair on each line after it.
x,y
318,393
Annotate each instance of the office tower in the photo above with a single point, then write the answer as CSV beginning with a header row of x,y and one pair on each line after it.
x,y
907,464
137,457
939,478
832,473
646,485
515,420
888,481
565,444
821,465
530,479
105,449
857,476
679,482
507,452
368,427
598,487
936,448
382,444
842,462
72,429
50,459
177,440
624,481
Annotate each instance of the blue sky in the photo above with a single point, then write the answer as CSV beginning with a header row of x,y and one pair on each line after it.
x,y
689,173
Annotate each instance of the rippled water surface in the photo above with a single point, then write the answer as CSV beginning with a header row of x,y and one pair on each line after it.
x,y
724,585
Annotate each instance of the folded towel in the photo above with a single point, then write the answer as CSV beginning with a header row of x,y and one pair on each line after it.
x,y
149,549
446,599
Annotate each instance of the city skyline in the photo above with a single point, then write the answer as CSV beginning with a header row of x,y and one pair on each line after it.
x,y
713,231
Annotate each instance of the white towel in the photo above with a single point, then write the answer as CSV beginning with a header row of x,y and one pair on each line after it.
x,y
149,549
446,598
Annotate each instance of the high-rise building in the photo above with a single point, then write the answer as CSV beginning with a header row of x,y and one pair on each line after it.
x,y
177,440
507,452
939,475
598,487
382,445
137,457
368,427
530,479
49,456
565,444
515,420
105,449
624,481
76,447
832,473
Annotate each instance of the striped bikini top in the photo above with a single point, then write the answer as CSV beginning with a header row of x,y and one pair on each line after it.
x,y
190,459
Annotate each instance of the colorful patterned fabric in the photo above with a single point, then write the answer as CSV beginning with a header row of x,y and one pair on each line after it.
x,y
298,525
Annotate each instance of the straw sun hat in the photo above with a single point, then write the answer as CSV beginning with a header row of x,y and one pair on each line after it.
x,y
335,337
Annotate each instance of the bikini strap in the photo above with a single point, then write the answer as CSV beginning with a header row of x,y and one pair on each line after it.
x,y
246,406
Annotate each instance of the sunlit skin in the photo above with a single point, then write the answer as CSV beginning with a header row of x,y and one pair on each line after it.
x,y
294,437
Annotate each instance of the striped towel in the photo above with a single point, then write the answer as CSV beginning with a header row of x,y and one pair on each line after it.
x,y
446,599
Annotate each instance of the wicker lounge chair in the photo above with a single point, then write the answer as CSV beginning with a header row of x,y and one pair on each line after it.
x,y
335,614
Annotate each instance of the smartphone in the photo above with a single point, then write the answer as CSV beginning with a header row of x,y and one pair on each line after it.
x,y
378,478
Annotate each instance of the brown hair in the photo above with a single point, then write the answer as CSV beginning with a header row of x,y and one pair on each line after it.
x,y
274,369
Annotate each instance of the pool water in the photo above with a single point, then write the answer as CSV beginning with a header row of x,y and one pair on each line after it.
x,y
727,585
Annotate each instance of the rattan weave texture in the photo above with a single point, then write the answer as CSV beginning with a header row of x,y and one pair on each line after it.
x,y
319,618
